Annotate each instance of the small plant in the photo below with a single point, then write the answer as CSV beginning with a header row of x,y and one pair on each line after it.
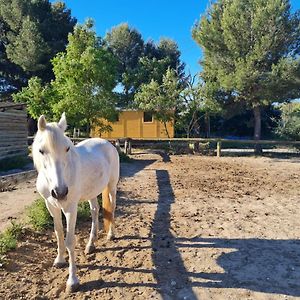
x,y
8,240
124,157
39,216
83,211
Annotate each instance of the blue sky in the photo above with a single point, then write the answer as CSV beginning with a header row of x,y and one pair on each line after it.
x,y
152,18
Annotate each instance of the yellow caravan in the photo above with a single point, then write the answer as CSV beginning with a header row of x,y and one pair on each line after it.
x,y
136,124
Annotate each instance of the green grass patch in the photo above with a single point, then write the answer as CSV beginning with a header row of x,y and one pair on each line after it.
x,y
17,162
40,219
8,240
39,216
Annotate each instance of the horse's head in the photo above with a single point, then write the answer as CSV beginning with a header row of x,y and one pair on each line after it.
x,y
51,152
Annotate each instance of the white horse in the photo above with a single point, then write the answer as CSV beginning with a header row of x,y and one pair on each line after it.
x,y
68,174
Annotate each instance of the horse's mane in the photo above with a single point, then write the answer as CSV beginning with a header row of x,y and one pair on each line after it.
x,y
51,136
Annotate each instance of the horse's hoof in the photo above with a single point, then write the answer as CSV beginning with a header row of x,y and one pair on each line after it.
x,y
72,288
60,265
89,249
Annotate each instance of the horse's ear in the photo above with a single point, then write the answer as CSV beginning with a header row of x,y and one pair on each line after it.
x,y
42,123
62,124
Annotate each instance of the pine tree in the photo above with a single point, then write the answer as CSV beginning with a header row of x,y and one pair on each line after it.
x,y
251,53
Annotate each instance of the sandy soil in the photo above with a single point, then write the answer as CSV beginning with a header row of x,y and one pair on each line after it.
x,y
13,203
188,227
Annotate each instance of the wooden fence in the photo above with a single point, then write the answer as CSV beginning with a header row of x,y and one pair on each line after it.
x,y
13,130
129,143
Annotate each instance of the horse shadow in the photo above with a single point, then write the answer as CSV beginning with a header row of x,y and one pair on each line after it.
x,y
269,266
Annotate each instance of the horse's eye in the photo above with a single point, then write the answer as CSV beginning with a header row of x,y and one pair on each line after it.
x,y
42,152
68,149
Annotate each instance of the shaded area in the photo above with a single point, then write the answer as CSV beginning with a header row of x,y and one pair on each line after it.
x,y
170,272
131,168
263,265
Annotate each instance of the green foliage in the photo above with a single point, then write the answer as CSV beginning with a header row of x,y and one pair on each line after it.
x,y
29,49
289,125
8,240
38,98
85,76
250,53
124,157
31,33
39,216
161,99
139,62
40,219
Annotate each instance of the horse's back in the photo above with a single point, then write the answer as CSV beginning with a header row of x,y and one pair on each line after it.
x,y
97,151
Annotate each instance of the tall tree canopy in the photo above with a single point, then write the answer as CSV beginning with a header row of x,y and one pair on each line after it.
x,y
162,99
31,33
85,76
140,62
251,53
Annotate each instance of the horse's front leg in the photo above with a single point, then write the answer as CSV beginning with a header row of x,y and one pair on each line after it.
x,y
94,206
55,212
71,215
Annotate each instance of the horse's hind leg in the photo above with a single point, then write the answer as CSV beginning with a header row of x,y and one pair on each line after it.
x,y
109,206
90,247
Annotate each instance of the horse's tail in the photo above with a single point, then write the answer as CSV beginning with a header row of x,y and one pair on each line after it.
x,y
107,209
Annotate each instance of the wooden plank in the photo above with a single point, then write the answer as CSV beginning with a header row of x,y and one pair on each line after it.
x,y
11,105
13,155
12,148
4,138
13,126
9,152
13,113
13,144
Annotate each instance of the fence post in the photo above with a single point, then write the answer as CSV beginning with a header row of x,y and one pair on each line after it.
x,y
219,146
129,146
126,146
118,146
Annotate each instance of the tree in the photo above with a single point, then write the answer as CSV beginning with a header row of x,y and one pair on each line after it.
x,y
160,99
251,50
127,45
85,76
288,126
39,98
193,107
32,32
139,62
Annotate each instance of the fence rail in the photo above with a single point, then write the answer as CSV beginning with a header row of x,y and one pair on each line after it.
x,y
133,142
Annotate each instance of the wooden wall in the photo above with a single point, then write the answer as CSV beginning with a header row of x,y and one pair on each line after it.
x,y
132,125
13,132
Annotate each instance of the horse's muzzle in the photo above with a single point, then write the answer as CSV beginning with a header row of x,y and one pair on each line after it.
x,y
60,193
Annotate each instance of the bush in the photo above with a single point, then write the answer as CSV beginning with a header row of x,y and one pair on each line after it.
x,y
124,157
288,126
40,218
8,240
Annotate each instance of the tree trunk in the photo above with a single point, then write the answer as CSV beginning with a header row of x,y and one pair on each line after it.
x,y
207,124
166,129
257,128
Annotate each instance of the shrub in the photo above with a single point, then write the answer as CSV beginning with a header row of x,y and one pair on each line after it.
x,y
39,216
8,240
124,157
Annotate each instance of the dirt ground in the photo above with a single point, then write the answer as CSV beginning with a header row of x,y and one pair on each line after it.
x,y
188,227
